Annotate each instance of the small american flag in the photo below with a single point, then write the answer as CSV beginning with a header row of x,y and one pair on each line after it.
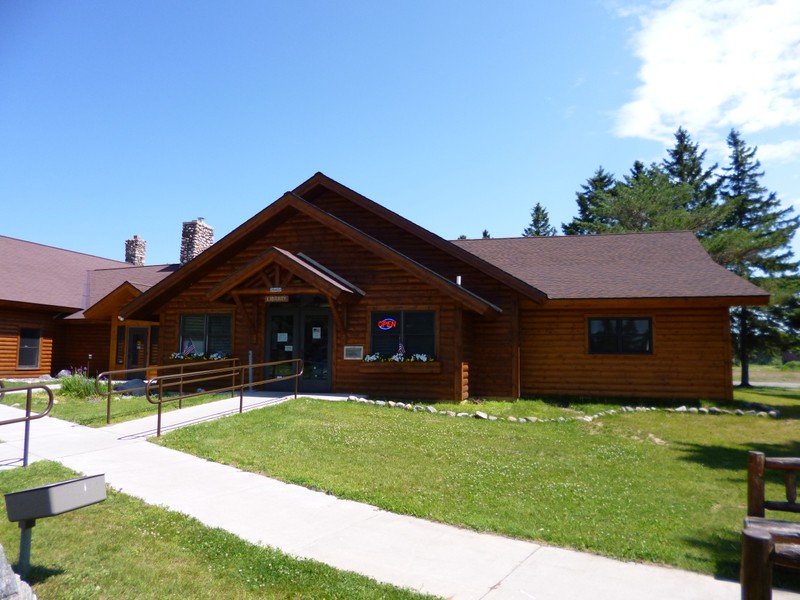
x,y
189,348
401,349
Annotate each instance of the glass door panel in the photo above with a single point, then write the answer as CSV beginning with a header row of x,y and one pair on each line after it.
x,y
137,351
281,343
316,350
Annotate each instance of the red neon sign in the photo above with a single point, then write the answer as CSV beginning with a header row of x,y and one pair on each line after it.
x,y
386,324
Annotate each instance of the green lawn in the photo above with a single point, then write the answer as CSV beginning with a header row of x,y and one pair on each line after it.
x,y
656,486
92,411
125,549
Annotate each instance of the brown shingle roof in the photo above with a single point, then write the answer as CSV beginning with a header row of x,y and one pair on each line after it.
x,y
38,274
635,265
103,281
64,280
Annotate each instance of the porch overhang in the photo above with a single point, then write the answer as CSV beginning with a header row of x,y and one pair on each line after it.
x,y
279,272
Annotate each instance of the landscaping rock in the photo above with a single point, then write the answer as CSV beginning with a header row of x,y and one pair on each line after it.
x,y
463,414
432,409
479,414
11,586
131,385
492,418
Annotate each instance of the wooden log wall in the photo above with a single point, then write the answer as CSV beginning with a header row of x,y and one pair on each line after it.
x,y
691,355
11,320
76,340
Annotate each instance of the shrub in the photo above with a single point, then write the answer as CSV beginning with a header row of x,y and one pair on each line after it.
x,y
78,385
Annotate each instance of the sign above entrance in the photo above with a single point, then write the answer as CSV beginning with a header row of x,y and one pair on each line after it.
x,y
276,298
275,290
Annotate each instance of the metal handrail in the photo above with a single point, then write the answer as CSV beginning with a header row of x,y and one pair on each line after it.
x,y
28,416
109,376
155,388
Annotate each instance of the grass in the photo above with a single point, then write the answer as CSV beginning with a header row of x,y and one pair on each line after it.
x,y
125,549
788,373
658,487
91,411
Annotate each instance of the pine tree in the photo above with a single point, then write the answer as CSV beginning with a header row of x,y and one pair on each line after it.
x,y
758,232
601,184
540,223
647,199
485,235
685,166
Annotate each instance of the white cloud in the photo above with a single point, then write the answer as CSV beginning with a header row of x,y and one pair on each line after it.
x,y
713,65
781,152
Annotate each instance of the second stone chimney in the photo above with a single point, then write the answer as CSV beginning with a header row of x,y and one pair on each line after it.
x,y
197,236
134,251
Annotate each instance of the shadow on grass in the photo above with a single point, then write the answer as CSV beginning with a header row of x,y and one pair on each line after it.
x,y
733,459
786,400
725,548
37,575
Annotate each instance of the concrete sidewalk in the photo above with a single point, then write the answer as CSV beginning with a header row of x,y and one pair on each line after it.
x,y
406,551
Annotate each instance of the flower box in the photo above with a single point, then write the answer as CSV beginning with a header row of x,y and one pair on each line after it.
x,y
400,367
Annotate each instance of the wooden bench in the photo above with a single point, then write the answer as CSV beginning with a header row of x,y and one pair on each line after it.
x,y
767,542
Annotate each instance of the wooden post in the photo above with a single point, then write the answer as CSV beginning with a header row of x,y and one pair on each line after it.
x,y
756,570
755,484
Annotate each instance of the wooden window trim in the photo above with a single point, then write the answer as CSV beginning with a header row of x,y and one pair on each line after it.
x,y
619,335
29,367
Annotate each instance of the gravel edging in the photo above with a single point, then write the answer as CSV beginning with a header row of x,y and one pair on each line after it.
x,y
753,410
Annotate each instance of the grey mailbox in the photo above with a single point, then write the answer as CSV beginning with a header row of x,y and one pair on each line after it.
x,y
47,501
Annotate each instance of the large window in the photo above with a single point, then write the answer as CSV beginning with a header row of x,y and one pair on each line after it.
x,y
29,344
411,331
621,335
205,334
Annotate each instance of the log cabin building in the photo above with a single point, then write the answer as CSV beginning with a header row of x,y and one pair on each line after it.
x,y
56,310
329,276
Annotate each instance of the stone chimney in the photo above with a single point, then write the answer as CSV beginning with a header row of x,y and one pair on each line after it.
x,y
197,236
134,251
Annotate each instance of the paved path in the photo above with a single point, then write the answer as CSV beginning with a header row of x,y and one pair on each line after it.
x,y
406,551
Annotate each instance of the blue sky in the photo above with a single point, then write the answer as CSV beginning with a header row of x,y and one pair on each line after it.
x,y
122,118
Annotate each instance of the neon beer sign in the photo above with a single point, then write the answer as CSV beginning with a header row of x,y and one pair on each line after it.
x,y
387,324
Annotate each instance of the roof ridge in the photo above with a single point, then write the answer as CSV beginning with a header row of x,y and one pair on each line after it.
x,y
51,247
